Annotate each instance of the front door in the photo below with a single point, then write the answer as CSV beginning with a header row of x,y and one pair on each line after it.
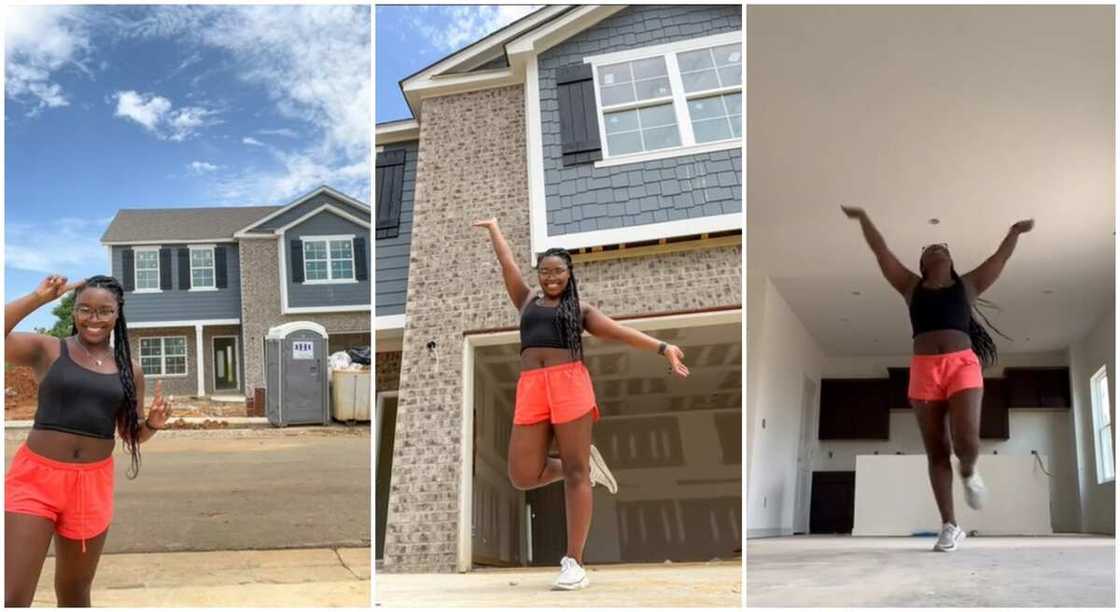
x,y
225,363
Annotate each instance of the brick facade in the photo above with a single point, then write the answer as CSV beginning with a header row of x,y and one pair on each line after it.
x,y
473,166
388,366
183,385
260,308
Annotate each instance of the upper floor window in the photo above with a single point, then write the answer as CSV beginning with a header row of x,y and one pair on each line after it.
x,y
147,268
328,259
202,268
1102,426
670,98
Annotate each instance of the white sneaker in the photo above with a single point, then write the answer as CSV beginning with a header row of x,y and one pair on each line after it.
x,y
600,474
572,577
951,535
975,493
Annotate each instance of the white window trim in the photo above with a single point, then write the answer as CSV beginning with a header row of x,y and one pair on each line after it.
x,y
188,323
136,269
1098,425
236,362
330,280
213,267
163,357
678,98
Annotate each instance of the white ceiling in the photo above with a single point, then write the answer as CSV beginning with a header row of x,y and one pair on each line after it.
x,y
978,116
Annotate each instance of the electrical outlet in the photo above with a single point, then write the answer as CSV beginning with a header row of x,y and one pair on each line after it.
x,y
1034,452
763,502
764,423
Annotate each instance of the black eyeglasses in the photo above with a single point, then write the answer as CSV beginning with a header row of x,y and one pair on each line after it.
x,y
86,312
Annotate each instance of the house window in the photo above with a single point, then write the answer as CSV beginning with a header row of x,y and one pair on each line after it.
x,y
202,268
147,269
1102,427
328,259
678,96
164,356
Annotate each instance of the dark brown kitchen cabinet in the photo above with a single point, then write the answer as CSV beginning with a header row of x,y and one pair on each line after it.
x,y
994,419
1038,387
854,409
832,502
899,381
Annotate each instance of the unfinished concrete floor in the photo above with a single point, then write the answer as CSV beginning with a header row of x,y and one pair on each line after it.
x,y
675,585
842,571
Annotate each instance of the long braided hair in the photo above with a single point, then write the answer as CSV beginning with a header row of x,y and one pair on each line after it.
x,y
982,343
128,421
570,321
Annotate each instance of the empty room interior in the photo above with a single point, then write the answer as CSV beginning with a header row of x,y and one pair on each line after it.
x,y
947,125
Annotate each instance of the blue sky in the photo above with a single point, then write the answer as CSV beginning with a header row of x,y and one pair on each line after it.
x,y
110,107
412,37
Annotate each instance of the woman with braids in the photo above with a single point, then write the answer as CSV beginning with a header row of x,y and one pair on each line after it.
x,y
950,349
60,482
554,393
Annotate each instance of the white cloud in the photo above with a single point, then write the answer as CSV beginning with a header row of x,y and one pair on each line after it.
x,y
298,173
201,167
41,40
290,133
466,24
76,250
155,113
249,140
313,62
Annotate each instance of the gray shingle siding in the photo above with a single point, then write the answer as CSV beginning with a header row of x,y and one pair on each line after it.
x,y
393,253
344,294
182,305
583,198
308,206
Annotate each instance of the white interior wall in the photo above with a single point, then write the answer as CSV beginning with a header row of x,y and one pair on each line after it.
x,y
1097,348
1048,431
781,354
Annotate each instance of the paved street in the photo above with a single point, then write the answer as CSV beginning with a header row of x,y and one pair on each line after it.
x,y
251,489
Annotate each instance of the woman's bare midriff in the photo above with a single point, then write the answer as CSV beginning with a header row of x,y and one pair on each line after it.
x,y
535,357
941,341
68,447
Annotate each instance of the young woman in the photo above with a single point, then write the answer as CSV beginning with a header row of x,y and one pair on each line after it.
x,y
60,482
554,393
950,349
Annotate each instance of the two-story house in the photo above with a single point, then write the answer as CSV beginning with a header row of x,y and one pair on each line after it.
x,y
615,132
204,285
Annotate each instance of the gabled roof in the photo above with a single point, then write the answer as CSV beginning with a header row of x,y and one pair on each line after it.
x,y
338,195
132,225
456,73
200,224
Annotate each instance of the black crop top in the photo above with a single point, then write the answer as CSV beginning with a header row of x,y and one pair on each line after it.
x,y
540,327
77,400
945,308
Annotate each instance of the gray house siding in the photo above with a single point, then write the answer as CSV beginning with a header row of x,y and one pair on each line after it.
x,y
180,304
393,253
308,206
584,198
343,294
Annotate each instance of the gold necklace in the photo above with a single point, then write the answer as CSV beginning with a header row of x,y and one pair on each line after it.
x,y
82,344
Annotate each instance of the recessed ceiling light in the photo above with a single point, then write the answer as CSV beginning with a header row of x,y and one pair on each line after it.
x,y
844,319
934,221
1048,291
856,293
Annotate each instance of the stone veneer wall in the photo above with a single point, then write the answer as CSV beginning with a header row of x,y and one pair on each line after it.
x,y
260,308
472,166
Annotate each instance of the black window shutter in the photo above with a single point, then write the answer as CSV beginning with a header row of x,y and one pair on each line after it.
x,y
389,186
185,268
128,270
579,121
221,279
297,260
165,269
360,271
